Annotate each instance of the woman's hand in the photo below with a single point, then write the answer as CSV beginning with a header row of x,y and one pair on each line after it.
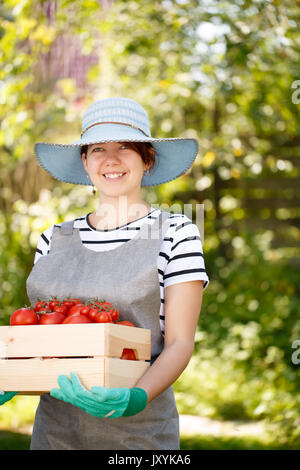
x,y
6,396
100,401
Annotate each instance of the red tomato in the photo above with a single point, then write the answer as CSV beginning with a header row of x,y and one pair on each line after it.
x,y
111,309
95,301
76,319
114,314
103,317
128,354
24,316
60,309
125,322
108,307
104,304
68,303
40,305
42,312
52,318
85,310
77,301
76,308
53,303
92,313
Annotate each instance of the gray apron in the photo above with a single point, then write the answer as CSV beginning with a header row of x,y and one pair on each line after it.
x,y
127,277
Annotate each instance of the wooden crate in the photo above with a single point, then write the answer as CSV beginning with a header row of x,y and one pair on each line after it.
x,y
33,356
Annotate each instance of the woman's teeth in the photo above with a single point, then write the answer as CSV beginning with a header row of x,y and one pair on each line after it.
x,y
114,175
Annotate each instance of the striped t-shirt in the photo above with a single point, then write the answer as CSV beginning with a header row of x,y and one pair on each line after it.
x,y
180,258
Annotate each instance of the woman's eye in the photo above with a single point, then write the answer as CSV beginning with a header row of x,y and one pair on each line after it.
x,y
99,149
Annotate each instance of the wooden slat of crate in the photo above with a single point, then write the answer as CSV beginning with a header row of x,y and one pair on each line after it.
x,y
40,375
37,375
122,373
74,340
138,339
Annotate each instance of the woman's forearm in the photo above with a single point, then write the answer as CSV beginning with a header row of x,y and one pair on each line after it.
x,y
167,368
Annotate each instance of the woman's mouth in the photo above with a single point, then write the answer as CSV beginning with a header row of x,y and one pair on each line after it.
x,y
111,177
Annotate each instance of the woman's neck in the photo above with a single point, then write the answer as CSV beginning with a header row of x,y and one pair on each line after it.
x,y
110,216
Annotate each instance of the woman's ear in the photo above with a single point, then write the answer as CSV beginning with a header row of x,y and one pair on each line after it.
x,y
83,158
151,163
84,154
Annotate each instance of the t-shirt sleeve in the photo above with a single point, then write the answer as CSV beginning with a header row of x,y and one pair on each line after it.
x,y
43,245
185,258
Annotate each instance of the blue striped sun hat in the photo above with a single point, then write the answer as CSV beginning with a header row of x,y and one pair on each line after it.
x,y
117,120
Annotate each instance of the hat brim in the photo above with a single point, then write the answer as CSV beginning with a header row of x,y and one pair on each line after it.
x,y
173,156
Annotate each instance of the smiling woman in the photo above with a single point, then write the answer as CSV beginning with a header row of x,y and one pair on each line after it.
x,y
147,262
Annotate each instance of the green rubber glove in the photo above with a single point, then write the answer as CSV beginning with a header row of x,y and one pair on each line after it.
x,y
6,396
100,401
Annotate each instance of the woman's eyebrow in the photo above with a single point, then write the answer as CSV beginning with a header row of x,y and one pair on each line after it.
x,y
91,147
103,144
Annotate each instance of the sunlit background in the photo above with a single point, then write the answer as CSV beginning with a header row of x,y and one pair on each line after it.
x,y
226,73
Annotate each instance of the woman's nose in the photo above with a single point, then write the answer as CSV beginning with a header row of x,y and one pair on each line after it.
x,y
111,154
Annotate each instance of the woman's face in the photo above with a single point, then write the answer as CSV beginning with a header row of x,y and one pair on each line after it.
x,y
114,169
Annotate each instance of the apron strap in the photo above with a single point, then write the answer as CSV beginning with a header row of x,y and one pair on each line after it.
x,y
67,228
157,229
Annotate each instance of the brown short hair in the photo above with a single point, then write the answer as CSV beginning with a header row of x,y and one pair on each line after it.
x,y
144,149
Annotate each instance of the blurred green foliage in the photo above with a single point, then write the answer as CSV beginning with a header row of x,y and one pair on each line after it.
x,y
223,72
26,223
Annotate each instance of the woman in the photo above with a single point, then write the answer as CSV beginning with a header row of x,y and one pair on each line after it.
x,y
147,262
